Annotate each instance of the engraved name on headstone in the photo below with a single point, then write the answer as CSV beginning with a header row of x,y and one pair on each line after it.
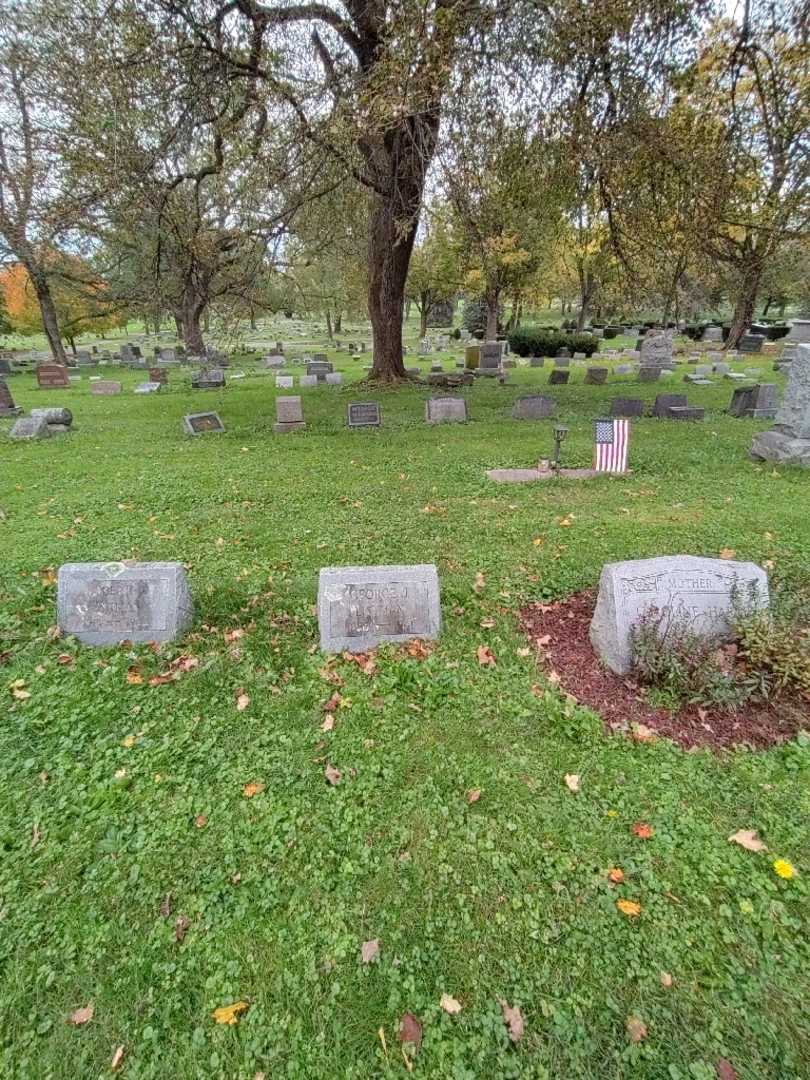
x,y
363,414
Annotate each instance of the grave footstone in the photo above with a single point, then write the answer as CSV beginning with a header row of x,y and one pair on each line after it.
x,y
105,603
289,415
361,606
534,407
686,587
685,412
29,428
721,368
360,414
596,376
788,441
558,377
625,406
202,423
445,410
105,388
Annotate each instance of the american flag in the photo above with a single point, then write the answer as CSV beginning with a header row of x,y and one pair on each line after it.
x,y
610,452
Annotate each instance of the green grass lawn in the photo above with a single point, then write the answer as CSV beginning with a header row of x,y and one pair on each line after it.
x,y
114,794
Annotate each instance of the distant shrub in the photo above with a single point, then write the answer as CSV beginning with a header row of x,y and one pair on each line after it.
x,y
536,341
475,317
456,334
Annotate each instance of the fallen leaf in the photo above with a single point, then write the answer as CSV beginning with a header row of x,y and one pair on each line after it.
x,y
450,1005
616,875
21,695
410,1030
629,908
165,908
473,795
727,553
370,950
486,657
328,723
181,924
513,1018
666,979
643,830
253,788
480,582
161,680
333,704
81,1016
242,700
134,677
332,774
129,741
636,1029
200,821
748,839
64,659
229,1014
724,1069
36,835
487,624
417,649
572,781
641,733
117,1058
233,635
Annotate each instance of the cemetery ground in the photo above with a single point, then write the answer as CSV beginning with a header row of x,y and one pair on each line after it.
x,y
171,843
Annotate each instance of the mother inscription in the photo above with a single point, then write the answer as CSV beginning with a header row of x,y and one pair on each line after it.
x,y
361,606
681,586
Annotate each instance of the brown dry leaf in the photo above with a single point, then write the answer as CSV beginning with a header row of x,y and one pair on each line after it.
x,y
567,521
129,741
513,1018
572,781
233,635
331,676
748,839
166,905
328,722
200,821
333,704
332,775
417,650
641,733
229,1014
365,661
64,659
541,642
616,875
370,950
134,677
642,830
255,787
450,1005
242,700
487,624
486,657
184,663
117,1058
636,1029
480,582
629,908
410,1031
81,1016
181,924
473,795
161,680
727,553
666,979
725,1070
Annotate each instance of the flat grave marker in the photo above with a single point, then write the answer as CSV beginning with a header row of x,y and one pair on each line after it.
x,y
361,414
201,423
105,388
446,410
534,407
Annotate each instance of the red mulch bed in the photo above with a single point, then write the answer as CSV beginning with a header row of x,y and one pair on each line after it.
x,y
621,702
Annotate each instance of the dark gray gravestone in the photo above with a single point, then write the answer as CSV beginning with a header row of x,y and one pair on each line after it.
x,y
788,441
685,412
534,407
665,401
104,603
751,343
446,410
596,376
200,423
210,379
649,374
363,414
289,415
5,366
625,406
561,361
361,606
7,406
491,355
699,590
558,377
563,354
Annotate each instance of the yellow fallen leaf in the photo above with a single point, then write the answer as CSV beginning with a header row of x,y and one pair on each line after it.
x,y
117,1058
21,695
666,979
242,700
81,1016
629,908
616,875
636,1029
129,741
229,1014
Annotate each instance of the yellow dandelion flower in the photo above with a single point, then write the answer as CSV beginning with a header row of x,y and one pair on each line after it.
x,y
784,869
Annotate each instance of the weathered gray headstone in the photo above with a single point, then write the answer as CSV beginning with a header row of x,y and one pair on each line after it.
x,y
274,361
624,406
799,330
649,374
624,369
537,361
7,406
656,348
685,412
534,407
491,355
201,423
361,606
334,378
713,333
150,387
445,410
58,420
30,427
308,380
751,343
104,603
788,441
596,376
363,414
558,377
209,379
677,586
664,402
289,415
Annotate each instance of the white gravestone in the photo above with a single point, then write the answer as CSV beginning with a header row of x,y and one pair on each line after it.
x,y
361,606
678,585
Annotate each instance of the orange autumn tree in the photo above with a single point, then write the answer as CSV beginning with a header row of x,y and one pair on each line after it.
x,y
82,302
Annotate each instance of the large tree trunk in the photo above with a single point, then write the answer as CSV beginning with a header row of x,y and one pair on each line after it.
x,y
491,298
587,287
745,303
50,321
193,308
329,333
400,160
338,321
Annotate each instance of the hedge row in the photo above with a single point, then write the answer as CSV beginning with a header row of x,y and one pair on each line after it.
x,y
538,341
